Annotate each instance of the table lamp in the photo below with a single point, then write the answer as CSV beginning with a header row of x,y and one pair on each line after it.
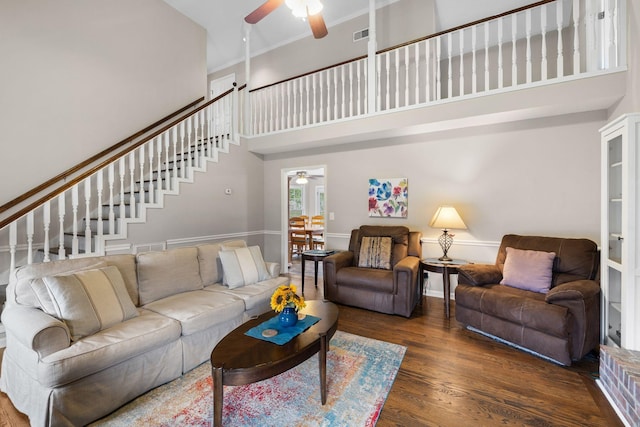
x,y
446,218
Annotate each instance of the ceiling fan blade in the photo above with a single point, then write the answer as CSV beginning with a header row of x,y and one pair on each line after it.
x,y
265,9
318,27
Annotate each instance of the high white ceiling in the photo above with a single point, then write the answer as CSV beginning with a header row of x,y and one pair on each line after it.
x,y
224,22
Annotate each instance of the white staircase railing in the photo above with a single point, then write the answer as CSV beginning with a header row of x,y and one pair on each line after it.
x,y
547,43
82,218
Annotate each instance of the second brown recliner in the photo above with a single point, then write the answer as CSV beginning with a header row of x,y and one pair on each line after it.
x,y
392,289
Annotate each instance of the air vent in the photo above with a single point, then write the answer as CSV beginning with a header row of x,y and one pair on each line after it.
x,y
359,35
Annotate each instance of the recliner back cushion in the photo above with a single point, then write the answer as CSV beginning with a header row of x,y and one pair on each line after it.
x,y
576,259
161,274
399,234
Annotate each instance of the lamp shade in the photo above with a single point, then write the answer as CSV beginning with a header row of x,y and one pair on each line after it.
x,y
446,217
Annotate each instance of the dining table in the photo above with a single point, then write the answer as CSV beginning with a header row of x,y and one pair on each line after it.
x,y
309,232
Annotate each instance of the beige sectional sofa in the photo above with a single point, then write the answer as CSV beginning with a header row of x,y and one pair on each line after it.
x,y
76,353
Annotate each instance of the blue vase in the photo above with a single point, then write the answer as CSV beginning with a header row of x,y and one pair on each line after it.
x,y
288,317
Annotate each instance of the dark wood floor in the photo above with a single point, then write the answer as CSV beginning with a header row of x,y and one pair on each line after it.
x,y
454,377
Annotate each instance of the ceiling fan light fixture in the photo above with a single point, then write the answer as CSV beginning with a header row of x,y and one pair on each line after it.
x,y
299,7
301,178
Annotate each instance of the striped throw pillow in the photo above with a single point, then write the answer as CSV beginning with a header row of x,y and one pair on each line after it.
x,y
89,301
243,266
375,252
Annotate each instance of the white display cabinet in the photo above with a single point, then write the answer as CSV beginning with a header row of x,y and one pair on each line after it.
x,y
620,231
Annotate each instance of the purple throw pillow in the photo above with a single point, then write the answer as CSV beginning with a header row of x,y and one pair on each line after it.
x,y
528,270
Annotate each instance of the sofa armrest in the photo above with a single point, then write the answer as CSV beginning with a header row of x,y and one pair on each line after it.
x,y
36,330
479,274
273,268
575,290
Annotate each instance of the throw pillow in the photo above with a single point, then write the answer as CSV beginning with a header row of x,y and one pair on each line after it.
x,y
528,270
243,266
165,273
375,252
89,301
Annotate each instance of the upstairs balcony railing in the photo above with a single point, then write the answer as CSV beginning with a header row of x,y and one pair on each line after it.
x,y
542,43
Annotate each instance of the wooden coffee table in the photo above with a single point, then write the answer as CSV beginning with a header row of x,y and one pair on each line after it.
x,y
239,359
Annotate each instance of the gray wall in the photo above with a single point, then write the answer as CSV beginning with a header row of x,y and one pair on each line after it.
x,y
396,23
531,177
79,76
204,211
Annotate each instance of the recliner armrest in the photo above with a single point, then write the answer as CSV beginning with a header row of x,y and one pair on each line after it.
x,y
340,260
575,290
479,274
36,330
407,263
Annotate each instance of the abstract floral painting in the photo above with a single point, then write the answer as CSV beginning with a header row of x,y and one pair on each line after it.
x,y
388,197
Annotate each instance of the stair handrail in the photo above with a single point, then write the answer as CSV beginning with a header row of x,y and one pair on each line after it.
x,y
430,36
63,175
69,184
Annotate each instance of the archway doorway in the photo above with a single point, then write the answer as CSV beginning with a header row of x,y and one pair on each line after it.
x,y
304,195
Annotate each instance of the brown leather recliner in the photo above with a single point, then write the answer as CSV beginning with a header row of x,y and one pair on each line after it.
x,y
563,324
394,291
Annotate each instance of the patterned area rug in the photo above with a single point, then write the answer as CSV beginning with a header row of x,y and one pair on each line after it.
x,y
360,373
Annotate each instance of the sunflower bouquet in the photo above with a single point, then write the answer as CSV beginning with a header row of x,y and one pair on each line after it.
x,y
285,296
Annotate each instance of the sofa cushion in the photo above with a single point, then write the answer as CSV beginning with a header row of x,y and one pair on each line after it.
x,y
243,266
210,265
254,294
165,273
89,301
198,310
375,252
20,289
229,245
107,348
527,269
126,264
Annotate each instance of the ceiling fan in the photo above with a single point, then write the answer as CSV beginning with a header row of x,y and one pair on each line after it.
x,y
309,9
302,177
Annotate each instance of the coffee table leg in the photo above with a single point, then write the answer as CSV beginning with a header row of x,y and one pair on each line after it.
x,y
316,272
217,396
323,368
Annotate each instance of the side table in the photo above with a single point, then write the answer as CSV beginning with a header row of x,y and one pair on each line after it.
x,y
446,268
315,256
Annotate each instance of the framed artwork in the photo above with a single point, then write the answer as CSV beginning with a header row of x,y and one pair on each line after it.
x,y
388,197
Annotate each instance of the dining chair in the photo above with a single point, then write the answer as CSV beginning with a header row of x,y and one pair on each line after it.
x,y
317,240
297,236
